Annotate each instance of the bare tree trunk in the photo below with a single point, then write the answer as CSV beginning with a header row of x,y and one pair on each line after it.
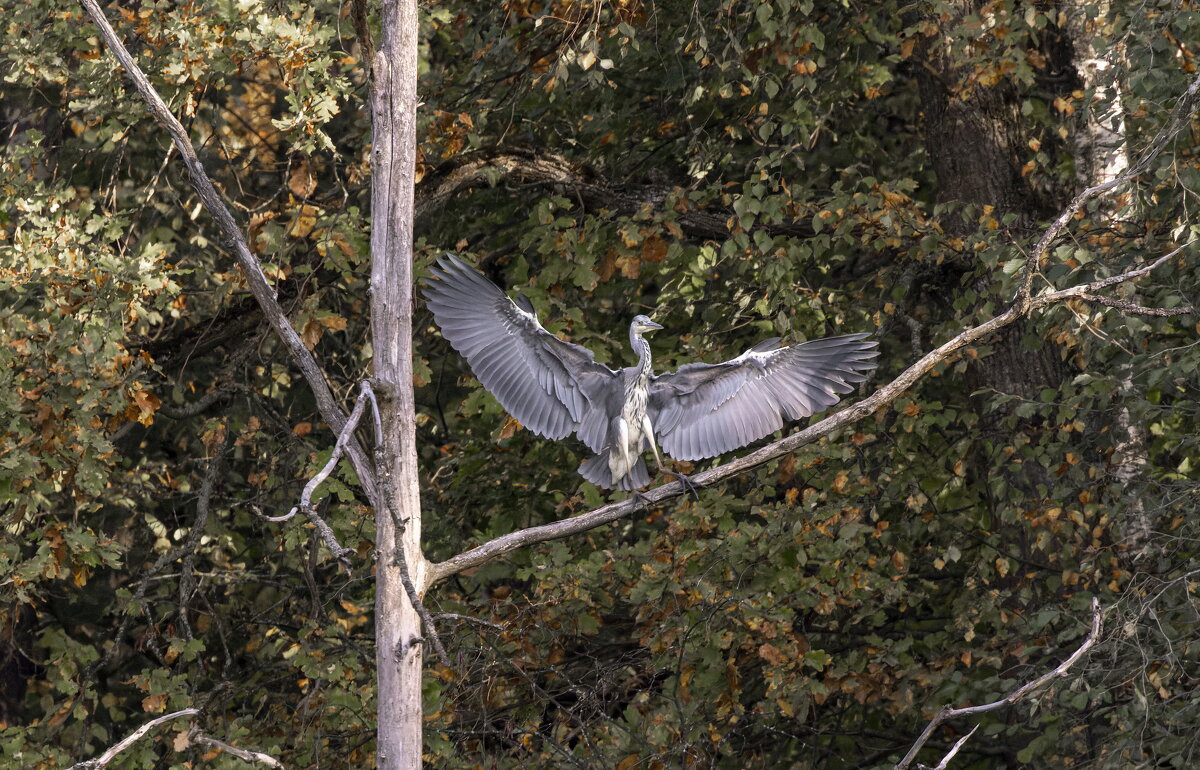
x,y
398,522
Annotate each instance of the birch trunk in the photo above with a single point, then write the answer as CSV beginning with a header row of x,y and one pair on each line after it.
x,y
1101,154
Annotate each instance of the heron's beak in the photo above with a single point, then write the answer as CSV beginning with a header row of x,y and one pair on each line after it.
x,y
651,326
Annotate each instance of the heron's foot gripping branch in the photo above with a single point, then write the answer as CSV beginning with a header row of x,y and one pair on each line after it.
x,y
688,484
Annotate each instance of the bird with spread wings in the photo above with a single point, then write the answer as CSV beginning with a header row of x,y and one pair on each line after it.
x,y
555,388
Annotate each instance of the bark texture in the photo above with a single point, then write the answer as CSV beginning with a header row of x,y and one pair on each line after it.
x,y
398,519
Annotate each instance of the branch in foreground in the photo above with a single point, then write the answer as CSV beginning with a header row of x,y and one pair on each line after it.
x,y
111,753
1136,309
879,400
233,236
1016,695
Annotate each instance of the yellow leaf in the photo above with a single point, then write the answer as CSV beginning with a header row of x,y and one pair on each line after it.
x,y
305,221
333,321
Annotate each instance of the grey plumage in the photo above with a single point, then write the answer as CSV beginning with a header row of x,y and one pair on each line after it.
x,y
556,388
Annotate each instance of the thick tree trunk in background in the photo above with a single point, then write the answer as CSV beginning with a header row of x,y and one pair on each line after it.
x,y
977,143
397,625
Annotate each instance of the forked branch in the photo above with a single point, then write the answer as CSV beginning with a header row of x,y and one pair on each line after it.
x,y
948,713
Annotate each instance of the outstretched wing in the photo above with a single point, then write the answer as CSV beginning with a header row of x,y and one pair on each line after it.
x,y
702,410
549,385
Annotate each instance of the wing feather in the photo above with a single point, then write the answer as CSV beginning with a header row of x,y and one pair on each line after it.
x,y
549,385
702,410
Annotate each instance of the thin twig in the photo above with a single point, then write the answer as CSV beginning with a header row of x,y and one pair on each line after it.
x,y
305,506
945,763
1076,292
469,619
1180,118
257,757
111,753
1136,309
187,581
413,597
343,439
950,713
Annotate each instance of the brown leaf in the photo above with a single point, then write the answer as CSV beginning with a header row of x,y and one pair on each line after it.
x,y
147,404
333,321
310,333
509,428
155,703
301,181
771,654
654,249
305,221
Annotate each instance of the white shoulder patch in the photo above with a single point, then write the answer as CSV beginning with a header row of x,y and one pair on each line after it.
x,y
759,359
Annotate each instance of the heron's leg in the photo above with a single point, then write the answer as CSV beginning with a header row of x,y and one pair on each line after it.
x,y
648,432
619,461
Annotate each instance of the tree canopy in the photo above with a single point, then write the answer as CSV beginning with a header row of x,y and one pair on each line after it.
x,y
735,170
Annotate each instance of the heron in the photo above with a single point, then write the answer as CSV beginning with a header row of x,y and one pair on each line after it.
x,y
556,388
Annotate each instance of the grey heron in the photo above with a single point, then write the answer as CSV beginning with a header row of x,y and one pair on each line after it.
x,y
555,388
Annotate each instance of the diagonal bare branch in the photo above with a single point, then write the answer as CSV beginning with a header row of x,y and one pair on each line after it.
x,y
232,234
111,753
248,755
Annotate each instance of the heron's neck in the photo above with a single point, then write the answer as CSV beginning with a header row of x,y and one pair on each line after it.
x,y
642,348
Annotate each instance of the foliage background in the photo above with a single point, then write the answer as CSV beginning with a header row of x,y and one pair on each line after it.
x,y
738,170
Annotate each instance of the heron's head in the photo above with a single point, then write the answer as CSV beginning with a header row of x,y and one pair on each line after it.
x,y
643,325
